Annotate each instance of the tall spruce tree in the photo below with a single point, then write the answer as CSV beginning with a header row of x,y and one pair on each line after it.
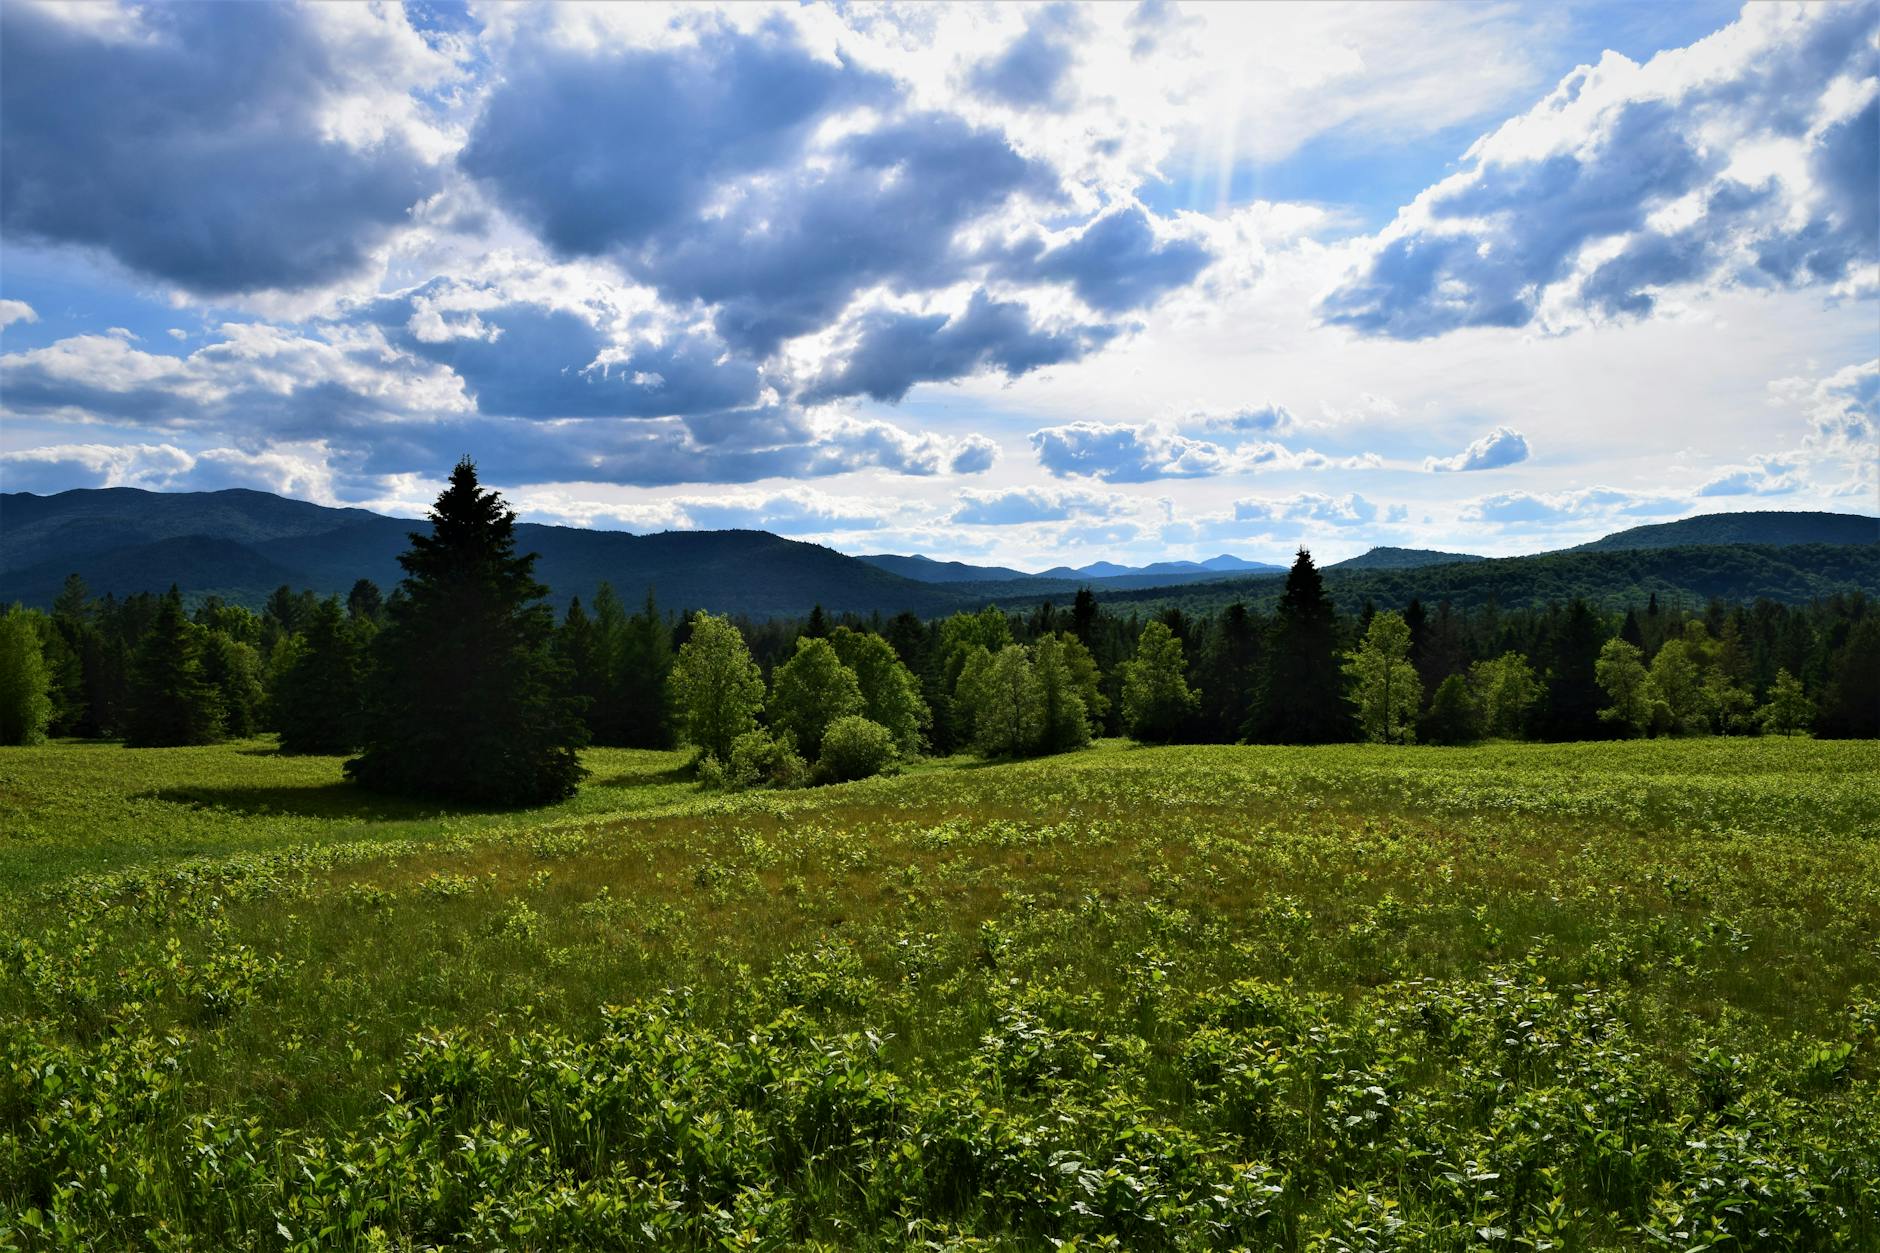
x,y
1302,683
642,680
467,700
171,701
318,696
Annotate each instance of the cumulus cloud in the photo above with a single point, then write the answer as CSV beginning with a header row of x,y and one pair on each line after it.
x,y
1503,446
1571,506
1029,504
222,148
1747,158
1116,264
1765,476
1842,410
1126,454
292,471
12,311
1350,509
888,352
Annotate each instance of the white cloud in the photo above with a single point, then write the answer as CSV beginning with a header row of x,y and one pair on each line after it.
x,y
1503,446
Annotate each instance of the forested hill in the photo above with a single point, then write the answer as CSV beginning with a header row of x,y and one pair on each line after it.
x,y
242,545
1688,576
1770,526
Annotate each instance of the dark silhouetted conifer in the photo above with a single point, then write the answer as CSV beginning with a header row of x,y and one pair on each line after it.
x,y
467,701
318,696
171,701
1302,687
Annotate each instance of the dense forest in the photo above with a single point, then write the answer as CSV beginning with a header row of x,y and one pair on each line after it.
x,y
464,671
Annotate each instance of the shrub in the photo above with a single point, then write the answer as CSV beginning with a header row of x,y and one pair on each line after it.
x,y
855,748
760,759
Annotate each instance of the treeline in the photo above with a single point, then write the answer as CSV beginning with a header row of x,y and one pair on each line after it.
x,y
463,671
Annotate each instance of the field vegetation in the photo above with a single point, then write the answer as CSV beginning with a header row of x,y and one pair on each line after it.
x,y
1512,996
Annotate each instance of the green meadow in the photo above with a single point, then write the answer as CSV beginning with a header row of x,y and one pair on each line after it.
x,y
1520,996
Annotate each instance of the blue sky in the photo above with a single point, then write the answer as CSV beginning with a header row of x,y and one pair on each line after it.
x,y
1023,283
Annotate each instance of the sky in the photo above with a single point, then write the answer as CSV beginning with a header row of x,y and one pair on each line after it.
x,y
1024,284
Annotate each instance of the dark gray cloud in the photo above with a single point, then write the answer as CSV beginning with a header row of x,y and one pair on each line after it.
x,y
196,152
1489,246
691,167
1031,72
1117,264
892,351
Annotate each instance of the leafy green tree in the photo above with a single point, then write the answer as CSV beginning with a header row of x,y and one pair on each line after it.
x,y
1385,688
1622,676
1063,715
717,689
1679,684
960,637
318,698
1788,708
171,702
1156,697
890,693
1728,707
1505,691
1454,716
1302,685
1007,705
810,691
855,747
467,701
25,682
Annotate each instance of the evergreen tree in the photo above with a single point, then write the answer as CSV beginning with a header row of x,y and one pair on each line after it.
x,y
1788,709
1302,686
810,691
1229,674
890,693
1084,615
716,688
318,698
1851,701
574,647
171,702
607,715
1063,718
641,684
467,701
25,699
365,603
1573,653
233,669
1385,689
1453,717
1156,697
1621,674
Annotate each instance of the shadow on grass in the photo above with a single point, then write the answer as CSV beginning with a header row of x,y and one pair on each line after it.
x,y
325,800
649,777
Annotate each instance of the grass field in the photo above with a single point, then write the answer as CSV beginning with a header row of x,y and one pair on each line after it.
x,y
1619,996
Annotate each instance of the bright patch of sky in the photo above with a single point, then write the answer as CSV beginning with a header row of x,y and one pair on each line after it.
x,y
1031,284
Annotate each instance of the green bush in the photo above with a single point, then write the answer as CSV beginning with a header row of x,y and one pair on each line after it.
x,y
758,759
855,748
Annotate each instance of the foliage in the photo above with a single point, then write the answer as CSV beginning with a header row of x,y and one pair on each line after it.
x,y
1506,690
890,693
1067,689
1454,716
1301,693
318,695
1156,696
1002,693
855,748
1789,710
25,702
1627,685
757,759
1384,688
466,700
717,689
171,701
810,691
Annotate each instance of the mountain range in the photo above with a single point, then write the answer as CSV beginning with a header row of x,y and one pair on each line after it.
x,y
241,544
